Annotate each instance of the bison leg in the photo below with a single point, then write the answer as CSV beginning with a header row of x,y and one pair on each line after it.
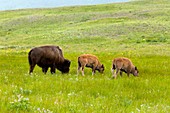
x,y
93,70
32,68
79,66
44,69
78,70
115,74
52,70
120,73
128,74
112,70
82,70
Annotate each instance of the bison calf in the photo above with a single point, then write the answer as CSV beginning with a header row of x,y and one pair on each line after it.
x,y
123,65
90,61
48,56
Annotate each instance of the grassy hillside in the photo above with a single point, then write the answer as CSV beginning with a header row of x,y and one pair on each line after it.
x,y
138,30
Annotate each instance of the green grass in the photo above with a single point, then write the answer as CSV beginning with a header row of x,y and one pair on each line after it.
x,y
138,30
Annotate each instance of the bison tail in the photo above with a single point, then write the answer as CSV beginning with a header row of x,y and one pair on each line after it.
x,y
29,57
79,64
114,67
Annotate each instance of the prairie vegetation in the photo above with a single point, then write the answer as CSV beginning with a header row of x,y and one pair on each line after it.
x,y
138,30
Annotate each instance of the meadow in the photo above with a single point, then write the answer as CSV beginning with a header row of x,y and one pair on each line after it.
x,y
138,30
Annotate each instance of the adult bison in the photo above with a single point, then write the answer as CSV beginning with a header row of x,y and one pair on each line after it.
x,y
123,65
91,61
48,56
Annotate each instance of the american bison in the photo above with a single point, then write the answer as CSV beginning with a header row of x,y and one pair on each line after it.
x,y
91,61
123,65
48,56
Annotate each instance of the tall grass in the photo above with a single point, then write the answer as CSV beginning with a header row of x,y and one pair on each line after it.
x,y
138,30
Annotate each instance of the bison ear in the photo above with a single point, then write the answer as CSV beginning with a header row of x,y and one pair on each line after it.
x,y
102,66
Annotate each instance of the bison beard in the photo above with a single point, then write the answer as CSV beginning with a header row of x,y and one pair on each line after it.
x,y
48,56
64,68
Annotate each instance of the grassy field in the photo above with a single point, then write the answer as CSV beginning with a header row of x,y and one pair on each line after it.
x,y
138,30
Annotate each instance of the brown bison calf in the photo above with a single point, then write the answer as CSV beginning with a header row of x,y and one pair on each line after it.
x,y
48,56
123,65
90,61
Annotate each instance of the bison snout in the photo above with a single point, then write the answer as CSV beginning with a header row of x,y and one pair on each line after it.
x,y
135,74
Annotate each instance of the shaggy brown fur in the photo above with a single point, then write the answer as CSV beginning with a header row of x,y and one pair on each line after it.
x,y
123,65
91,61
48,56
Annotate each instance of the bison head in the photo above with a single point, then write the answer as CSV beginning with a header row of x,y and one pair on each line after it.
x,y
136,72
101,68
65,66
